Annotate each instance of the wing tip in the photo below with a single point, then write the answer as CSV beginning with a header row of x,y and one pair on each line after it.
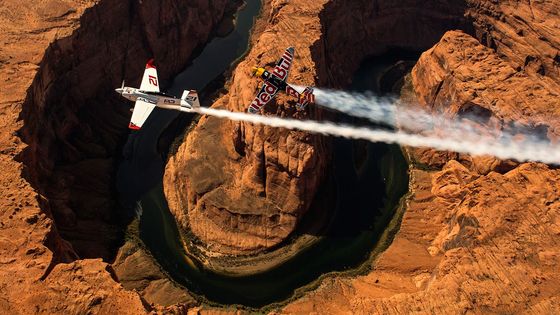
x,y
132,126
150,64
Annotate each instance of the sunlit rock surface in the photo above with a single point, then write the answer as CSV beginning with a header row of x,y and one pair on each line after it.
x,y
60,61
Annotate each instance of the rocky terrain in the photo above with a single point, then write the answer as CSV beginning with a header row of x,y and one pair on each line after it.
x,y
478,235
245,186
242,189
61,61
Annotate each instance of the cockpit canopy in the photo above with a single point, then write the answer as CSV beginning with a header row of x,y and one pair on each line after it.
x,y
156,93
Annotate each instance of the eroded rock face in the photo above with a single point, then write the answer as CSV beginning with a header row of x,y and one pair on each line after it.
x,y
523,33
71,123
467,242
74,123
356,29
449,80
242,188
479,235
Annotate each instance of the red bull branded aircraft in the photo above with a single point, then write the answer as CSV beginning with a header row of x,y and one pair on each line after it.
x,y
276,81
148,96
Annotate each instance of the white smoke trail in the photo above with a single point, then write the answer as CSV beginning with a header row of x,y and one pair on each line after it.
x,y
521,151
415,119
384,110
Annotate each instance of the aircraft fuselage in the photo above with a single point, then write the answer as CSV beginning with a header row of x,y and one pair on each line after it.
x,y
158,99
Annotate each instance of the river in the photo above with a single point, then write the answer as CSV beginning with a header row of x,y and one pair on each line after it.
x,y
369,178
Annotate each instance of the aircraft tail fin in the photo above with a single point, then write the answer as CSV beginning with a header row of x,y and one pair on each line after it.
x,y
191,98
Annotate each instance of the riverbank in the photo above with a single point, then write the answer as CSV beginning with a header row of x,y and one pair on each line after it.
x,y
365,199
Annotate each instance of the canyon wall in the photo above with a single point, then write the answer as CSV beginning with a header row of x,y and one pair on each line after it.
x,y
61,61
523,33
479,234
74,122
246,195
242,188
353,30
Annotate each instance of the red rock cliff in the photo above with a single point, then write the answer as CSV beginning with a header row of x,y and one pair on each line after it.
x,y
474,240
75,124
243,188
68,56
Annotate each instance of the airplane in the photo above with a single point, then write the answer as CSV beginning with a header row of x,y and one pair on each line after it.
x,y
276,81
148,96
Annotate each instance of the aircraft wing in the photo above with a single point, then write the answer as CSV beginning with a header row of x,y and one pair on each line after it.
x,y
266,93
142,110
282,68
150,80
142,107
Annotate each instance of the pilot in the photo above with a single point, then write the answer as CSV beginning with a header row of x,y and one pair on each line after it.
x,y
267,76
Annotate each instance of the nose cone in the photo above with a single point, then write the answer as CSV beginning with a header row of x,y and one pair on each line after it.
x,y
119,90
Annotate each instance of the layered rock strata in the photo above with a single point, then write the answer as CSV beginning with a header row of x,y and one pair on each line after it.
x,y
475,237
242,189
523,33
58,205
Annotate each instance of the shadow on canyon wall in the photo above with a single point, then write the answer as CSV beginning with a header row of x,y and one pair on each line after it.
x,y
353,30
75,125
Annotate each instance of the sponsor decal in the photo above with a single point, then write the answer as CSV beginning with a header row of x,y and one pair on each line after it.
x,y
311,98
268,90
281,70
147,100
169,101
191,98
253,109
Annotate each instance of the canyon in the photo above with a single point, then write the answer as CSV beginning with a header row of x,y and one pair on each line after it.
x,y
478,234
63,127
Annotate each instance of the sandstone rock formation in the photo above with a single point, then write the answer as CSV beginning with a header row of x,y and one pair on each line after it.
x,y
480,235
247,195
467,243
65,55
242,188
523,33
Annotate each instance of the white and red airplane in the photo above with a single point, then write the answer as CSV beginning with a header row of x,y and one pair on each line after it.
x,y
148,96
276,81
